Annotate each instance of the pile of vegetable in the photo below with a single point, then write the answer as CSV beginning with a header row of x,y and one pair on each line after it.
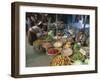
x,y
60,60
67,51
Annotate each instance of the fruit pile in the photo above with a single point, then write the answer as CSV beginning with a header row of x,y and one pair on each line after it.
x,y
60,60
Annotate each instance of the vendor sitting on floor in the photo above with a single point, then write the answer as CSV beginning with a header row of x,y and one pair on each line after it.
x,y
36,32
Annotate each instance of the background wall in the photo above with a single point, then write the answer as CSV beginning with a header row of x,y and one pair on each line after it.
x,y
5,40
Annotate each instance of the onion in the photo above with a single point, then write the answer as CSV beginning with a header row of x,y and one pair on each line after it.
x,y
67,52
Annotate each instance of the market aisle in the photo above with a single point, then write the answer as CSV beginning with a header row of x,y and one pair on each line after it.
x,y
35,58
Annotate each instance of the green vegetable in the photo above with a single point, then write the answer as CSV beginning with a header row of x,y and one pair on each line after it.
x,y
77,56
86,61
51,33
78,62
76,46
48,38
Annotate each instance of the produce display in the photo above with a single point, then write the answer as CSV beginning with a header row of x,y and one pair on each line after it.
x,y
53,51
67,45
77,56
60,60
57,44
48,38
38,42
66,50
47,45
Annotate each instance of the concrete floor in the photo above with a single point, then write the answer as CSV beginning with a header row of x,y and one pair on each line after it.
x,y
35,57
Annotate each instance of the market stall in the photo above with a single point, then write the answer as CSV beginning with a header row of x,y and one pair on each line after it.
x,y
60,41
